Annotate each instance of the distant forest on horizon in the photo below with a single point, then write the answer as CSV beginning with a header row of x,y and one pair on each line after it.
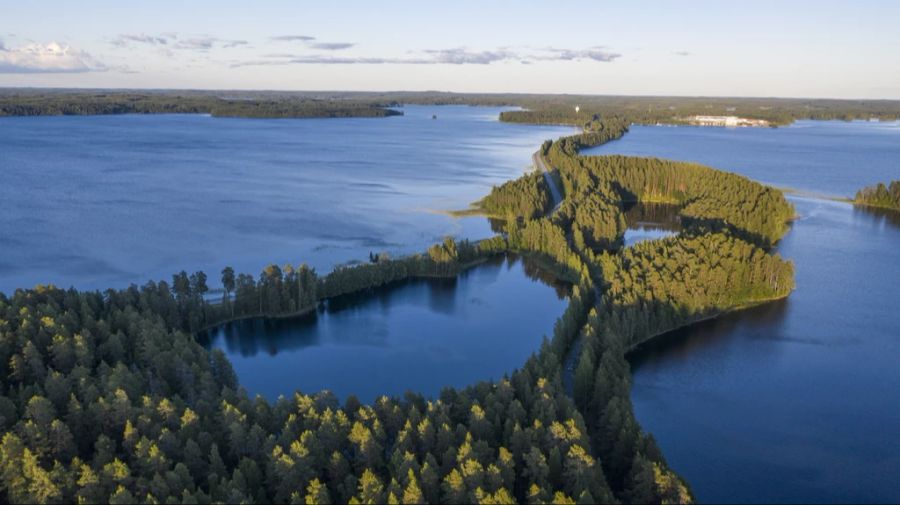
x,y
539,108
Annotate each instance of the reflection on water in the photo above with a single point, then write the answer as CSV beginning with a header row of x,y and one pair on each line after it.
x,y
886,216
684,342
417,335
663,216
650,221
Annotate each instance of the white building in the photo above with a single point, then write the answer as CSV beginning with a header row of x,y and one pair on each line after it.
x,y
728,121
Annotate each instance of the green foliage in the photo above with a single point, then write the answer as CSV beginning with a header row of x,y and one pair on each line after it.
x,y
659,285
718,263
442,260
526,197
887,197
560,109
537,109
288,291
546,239
157,417
709,198
594,213
109,397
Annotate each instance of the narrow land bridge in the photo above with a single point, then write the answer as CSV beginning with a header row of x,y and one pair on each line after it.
x,y
571,358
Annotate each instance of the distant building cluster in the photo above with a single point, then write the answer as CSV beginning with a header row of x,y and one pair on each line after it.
x,y
731,121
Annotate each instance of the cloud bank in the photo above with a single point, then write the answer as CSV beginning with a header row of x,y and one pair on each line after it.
x,y
292,38
172,41
453,56
47,58
594,53
309,42
332,46
316,52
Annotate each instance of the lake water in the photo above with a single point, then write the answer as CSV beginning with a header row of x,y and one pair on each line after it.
x,y
792,401
104,201
416,336
650,221
799,400
835,158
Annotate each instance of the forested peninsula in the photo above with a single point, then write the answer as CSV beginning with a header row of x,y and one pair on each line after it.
x,y
109,397
879,195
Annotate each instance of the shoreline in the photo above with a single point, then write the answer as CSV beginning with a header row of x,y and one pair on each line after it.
x,y
738,308
463,268
874,206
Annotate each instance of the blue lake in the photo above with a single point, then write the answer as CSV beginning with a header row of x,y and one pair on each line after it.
x,y
795,401
833,158
418,336
104,201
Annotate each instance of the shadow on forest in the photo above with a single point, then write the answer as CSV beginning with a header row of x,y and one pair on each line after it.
x,y
683,343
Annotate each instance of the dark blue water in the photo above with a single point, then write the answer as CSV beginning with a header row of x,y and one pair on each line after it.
x,y
418,336
105,201
795,401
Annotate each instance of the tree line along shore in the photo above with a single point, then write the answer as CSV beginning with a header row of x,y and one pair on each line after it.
x,y
109,397
536,108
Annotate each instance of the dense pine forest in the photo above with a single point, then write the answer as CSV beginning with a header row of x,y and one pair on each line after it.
x,y
879,195
526,196
109,397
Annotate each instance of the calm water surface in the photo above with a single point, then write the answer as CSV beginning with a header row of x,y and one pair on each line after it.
x,y
650,221
795,401
104,201
419,336
826,157
792,401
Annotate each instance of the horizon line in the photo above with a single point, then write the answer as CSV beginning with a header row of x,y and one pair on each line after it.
x,y
513,93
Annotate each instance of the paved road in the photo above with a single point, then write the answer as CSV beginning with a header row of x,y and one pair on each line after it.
x,y
554,191
570,362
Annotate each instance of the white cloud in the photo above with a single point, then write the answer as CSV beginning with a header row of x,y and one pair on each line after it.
x,y
170,40
598,53
126,39
461,56
47,58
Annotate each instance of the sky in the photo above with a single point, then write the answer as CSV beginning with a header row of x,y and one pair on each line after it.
x,y
822,49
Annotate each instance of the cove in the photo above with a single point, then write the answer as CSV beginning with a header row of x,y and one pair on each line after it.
x,y
795,400
420,336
